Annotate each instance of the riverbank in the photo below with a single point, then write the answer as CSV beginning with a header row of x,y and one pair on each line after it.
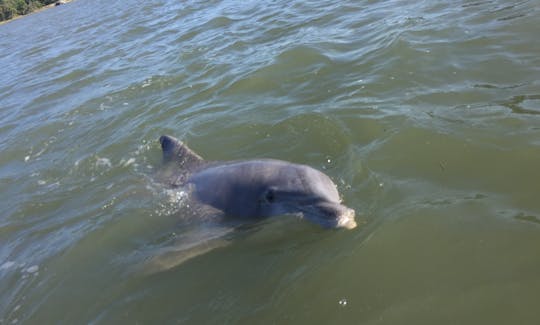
x,y
33,7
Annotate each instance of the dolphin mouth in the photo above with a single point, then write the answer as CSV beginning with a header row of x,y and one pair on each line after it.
x,y
346,220
331,215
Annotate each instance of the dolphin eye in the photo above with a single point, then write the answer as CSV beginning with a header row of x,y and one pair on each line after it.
x,y
269,196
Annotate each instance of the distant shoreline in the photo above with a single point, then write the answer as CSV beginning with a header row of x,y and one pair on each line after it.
x,y
45,7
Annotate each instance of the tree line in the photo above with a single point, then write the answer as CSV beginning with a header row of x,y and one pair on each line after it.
x,y
11,8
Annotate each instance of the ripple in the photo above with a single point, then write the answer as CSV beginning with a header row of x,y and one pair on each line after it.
x,y
527,218
523,104
296,68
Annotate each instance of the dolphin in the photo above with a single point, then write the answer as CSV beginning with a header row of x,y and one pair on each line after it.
x,y
251,190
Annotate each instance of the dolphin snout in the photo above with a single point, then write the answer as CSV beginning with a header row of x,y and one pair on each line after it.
x,y
346,219
332,215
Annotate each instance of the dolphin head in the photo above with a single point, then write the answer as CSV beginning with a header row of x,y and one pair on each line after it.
x,y
308,193
319,210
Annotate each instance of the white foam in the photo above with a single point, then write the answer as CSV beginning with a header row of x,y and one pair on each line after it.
x,y
176,196
7,265
126,163
103,162
32,269
173,201
146,83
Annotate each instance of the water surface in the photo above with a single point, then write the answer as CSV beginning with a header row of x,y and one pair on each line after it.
x,y
426,114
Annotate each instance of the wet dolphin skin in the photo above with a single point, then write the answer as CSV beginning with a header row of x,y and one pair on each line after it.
x,y
258,188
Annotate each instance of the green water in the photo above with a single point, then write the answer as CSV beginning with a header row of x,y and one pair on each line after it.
x,y
426,115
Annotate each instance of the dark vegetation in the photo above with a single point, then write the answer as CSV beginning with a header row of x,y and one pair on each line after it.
x,y
11,8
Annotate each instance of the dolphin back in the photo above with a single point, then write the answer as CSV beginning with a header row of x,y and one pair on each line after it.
x,y
178,161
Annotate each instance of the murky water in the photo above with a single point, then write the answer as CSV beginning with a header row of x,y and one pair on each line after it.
x,y
427,115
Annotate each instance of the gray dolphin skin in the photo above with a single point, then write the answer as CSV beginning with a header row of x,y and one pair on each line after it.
x,y
255,189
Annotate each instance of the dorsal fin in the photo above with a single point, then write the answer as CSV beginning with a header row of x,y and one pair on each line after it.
x,y
175,151
178,161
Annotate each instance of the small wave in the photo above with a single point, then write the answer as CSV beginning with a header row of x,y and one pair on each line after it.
x,y
24,270
127,162
524,104
7,265
103,163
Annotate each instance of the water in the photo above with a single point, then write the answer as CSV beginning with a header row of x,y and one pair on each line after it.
x,y
427,115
